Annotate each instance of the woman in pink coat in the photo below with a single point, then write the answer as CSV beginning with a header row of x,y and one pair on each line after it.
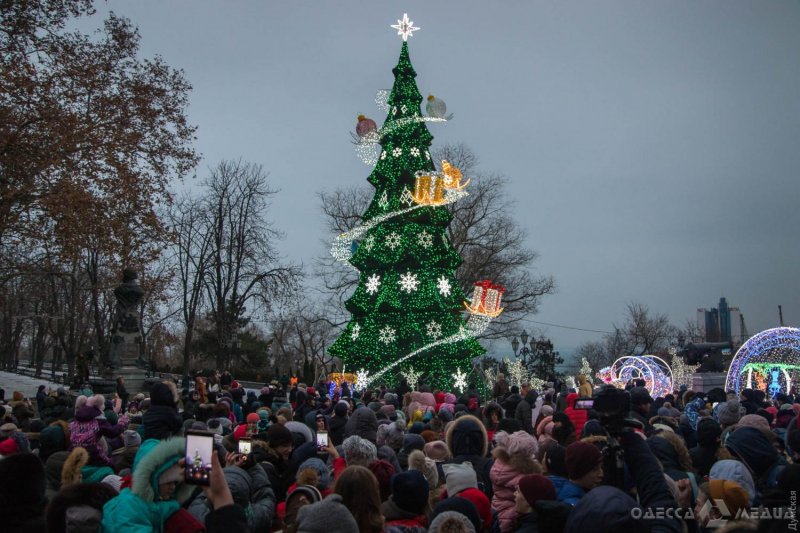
x,y
513,458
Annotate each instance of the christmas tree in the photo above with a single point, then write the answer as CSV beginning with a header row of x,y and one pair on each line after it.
x,y
408,298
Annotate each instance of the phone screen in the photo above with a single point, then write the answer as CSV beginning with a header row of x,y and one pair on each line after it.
x,y
584,404
244,446
199,448
322,440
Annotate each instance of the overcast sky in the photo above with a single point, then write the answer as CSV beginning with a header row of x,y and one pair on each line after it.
x,y
652,147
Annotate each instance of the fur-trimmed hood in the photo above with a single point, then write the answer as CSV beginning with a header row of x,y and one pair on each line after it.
x,y
71,471
467,435
153,459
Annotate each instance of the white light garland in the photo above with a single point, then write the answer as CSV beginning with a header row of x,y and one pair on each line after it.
x,y
443,284
362,380
373,284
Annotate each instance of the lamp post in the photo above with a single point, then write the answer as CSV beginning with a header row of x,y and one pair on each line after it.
x,y
525,353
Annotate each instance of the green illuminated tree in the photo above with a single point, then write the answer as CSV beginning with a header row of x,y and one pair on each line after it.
x,y
407,296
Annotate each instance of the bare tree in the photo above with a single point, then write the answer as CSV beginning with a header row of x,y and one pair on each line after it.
x,y
192,249
484,231
642,333
596,353
244,265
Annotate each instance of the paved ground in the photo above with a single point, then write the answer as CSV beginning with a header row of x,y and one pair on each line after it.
x,y
28,386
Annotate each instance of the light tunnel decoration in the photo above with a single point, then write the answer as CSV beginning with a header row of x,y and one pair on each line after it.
x,y
655,372
768,361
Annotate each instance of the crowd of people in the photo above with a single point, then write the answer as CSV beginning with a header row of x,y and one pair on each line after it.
x,y
397,460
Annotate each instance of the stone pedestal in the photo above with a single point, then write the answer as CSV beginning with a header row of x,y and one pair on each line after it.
x,y
129,349
705,381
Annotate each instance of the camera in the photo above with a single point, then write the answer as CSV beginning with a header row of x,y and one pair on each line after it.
x,y
612,406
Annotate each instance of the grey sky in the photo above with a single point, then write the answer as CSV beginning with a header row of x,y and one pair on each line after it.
x,y
652,146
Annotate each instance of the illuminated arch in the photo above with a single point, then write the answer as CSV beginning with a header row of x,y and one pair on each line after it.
x,y
772,349
655,371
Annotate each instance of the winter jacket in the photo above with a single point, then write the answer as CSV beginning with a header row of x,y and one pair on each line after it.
x,y
224,519
336,427
85,431
278,471
527,523
467,441
570,493
504,483
398,518
577,416
703,458
524,412
585,388
363,423
510,404
251,490
758,454
138,509
23,413
500,389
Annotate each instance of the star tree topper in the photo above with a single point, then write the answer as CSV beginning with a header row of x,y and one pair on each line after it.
x,y
405,28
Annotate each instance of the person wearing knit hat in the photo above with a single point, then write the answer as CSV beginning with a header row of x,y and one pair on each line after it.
x,y
459,477
383,472
323,473
394,436
358,451
755,421
418,461
437,450
280,440
131,438
248,429
408,503
411,442
482,504
449,521
327,516
531,489
585,470
458,505
729,413
513,458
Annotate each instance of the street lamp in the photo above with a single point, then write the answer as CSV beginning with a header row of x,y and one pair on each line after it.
x,y
524,353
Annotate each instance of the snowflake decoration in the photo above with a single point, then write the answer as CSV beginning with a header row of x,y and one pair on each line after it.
x,y
383,155
394,110
415,151
433,329
443,284
383,201
392,241
406,197
411,376
405,28
404,108
355,331
428,156
369,242
397,151
362,379
425,239
460,382
373,282
408,282
387,335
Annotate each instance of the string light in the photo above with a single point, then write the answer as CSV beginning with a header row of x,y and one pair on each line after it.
x,y
460,382
655,372
776,349
681,372
411,376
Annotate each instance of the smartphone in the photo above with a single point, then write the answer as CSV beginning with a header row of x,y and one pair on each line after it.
x,y
584,403
199,449
322,440
244,446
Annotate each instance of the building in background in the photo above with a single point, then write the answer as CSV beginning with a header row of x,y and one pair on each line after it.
x,y
722,324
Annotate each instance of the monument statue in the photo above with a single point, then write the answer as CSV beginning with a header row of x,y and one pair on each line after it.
x,y
126,328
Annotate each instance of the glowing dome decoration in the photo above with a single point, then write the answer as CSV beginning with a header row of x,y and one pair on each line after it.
x,y
768,361
655,372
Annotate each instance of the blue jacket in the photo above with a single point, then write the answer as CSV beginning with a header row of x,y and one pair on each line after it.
x,y
570,493
139,509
